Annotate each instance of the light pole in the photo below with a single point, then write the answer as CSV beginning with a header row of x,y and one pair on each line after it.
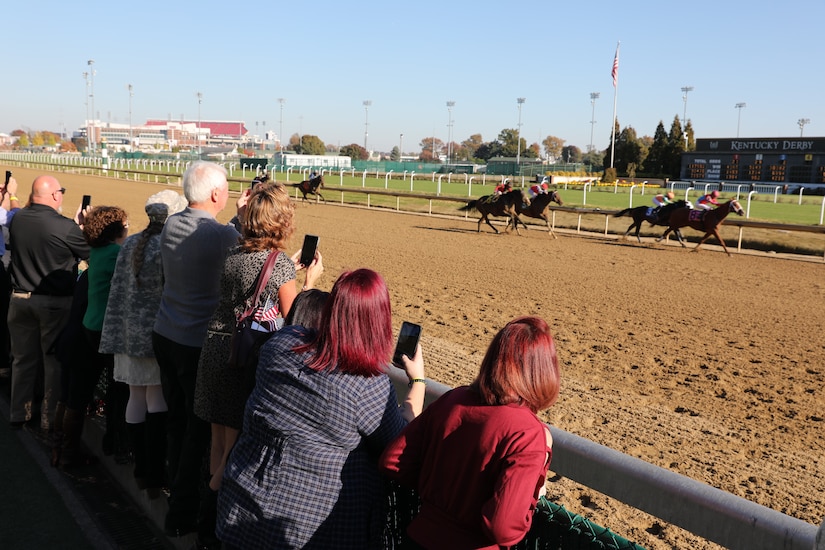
x,y
802,122
685,90
88,120
367,104
131,95
520,101
281,125
400,146
739,107
450,105
91,64
593,97
198,136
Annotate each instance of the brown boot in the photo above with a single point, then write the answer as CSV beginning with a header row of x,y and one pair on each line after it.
x,y
72,453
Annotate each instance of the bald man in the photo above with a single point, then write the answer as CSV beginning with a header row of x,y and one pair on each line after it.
x,y
46,248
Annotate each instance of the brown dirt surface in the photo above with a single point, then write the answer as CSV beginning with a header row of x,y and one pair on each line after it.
x,y
707,365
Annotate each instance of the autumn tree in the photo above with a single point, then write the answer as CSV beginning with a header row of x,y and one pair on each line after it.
x,y
553,147
429,146
471,145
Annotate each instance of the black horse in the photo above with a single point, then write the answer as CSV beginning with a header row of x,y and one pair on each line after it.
x,y
652,215
539,207
311,186
506,204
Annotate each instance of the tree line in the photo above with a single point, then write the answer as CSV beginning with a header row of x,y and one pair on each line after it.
x,y
656,157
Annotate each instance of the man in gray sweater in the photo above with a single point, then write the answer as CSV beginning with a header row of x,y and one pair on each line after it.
x,y
194,246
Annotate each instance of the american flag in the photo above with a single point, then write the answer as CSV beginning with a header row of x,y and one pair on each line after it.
x,y
266,314
615,71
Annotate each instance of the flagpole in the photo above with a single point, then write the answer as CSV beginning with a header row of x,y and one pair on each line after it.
x,y
615,73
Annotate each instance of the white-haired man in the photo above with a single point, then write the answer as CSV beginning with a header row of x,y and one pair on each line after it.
x,y
194,246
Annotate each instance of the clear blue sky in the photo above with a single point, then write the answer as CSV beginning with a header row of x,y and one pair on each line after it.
x,y
325,58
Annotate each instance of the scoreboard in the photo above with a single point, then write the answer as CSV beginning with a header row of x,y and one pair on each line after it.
x,y
760,160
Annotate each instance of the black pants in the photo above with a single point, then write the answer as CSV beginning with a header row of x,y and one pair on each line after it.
x,y
188,435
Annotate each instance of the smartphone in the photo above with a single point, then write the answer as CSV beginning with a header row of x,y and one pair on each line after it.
x,y
407,341
8,176
308,250
87,200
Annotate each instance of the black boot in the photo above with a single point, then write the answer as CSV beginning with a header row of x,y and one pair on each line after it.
x,y
207,518
137,434
56,439
155,453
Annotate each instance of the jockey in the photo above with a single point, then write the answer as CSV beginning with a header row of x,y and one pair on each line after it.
x,y
663,199
707,202
538,189
504,187
313,174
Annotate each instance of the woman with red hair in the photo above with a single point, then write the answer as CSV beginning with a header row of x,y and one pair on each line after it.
x,y
302,473
479,455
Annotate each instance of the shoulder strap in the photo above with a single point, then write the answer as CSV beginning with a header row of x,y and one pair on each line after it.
x,y
260,284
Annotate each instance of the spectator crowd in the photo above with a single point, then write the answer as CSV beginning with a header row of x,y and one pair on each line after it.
x,y
298,448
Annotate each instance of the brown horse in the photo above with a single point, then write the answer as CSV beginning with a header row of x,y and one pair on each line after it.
x,y
703,220
641,214
506,204
539,207
311,186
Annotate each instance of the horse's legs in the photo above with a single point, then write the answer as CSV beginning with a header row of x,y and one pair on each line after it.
x,y
550,229
486,219
516,220
665,234
678,234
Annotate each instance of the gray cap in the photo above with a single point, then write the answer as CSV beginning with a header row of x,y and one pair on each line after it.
x,y
163,204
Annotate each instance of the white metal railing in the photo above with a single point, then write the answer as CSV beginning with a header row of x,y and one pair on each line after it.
x,y
706,511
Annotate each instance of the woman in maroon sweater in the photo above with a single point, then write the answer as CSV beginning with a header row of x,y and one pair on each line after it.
x,y
479,455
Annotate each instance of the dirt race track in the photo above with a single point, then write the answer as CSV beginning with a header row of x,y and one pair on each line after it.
x,y
707,365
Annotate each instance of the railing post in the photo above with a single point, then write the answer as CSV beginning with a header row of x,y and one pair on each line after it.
x,y
632,187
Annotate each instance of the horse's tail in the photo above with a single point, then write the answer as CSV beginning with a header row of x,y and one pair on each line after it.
x,y
469,206
625,212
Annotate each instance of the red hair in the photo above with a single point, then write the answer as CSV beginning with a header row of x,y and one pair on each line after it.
x,y
355,336
520,366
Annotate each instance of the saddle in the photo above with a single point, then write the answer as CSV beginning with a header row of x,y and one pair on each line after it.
x,y
652,214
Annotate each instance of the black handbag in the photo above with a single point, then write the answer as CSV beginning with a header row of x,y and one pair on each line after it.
x,y
247,339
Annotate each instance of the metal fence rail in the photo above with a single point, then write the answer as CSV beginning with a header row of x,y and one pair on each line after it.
x,y
706,511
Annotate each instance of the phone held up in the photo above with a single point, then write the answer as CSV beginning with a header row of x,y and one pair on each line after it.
x,y
8,176
87,200
407,342
308,250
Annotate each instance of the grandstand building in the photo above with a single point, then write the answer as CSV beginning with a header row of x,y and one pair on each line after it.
x,y
172,133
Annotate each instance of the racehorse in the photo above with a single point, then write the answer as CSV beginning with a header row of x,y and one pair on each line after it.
x,y
507,204
311,186
643,214
703,220
539,207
